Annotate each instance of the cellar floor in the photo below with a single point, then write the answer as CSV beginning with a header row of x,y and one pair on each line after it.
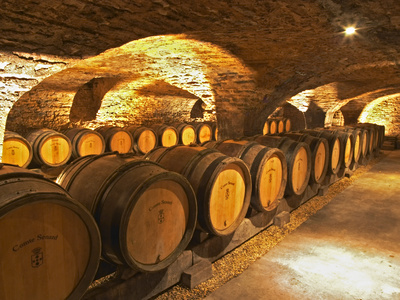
x,y
350,249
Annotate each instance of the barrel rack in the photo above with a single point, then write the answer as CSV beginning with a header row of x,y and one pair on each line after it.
x,y
193,266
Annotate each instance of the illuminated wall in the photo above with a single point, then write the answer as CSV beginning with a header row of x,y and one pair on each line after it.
x,y
153,80
383,111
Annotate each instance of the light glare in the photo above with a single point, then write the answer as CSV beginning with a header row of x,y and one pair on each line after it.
x,y
350,30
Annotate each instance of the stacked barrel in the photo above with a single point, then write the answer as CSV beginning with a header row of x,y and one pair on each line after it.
x,y
277,125
50,244
267,166
135,196
146,214
222,184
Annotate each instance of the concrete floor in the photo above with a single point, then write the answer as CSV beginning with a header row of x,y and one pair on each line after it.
x,y
350,249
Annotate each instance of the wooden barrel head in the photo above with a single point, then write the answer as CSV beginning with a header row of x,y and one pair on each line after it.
x,y
364,149
188,135
281,126
45,249
265,128
120,141
272,127
147,141
17,152
335,155
227,197
169,138
319,162
55,150
157,222
347,151
288,125
216,133
357,148
270,180
299,172
204,133
371,140
90,143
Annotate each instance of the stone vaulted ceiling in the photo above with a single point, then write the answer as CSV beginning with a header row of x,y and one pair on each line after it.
x,y
248,58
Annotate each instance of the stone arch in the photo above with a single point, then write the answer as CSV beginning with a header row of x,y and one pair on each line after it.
x,y
88,99
198,70
383,111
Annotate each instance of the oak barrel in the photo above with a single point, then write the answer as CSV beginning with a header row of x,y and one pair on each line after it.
x,y
144,138
357,140
50,244
214,128
203,131
146,214
116,138
167,135
187,133
347,146
16,150
222,184
288,125
268,169
371,136
377,135
85,142
335,152
319,154
298,157
50,148
270,126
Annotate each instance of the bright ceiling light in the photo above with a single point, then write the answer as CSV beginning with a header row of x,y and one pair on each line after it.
x,y
350,30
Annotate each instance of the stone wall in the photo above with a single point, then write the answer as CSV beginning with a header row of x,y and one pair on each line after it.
x,y
242,59
384,111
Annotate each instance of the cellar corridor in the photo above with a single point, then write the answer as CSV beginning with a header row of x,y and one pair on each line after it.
x,y
347,250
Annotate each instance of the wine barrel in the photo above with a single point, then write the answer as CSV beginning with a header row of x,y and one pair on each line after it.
x,y
203,132
364,142
50,148
167,135
268,169
146,214
298,157
187,133
347,146
319,154
116,138
357,140
50,244
381,130
265,129
336,156
270,127
144,138
85,142
278,125
288,125
214,129
222,184
377,135
16,150
371,136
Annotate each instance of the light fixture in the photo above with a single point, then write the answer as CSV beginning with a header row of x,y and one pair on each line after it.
x,y
350,30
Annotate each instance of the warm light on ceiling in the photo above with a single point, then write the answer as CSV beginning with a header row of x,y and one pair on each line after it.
x,y
350,30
